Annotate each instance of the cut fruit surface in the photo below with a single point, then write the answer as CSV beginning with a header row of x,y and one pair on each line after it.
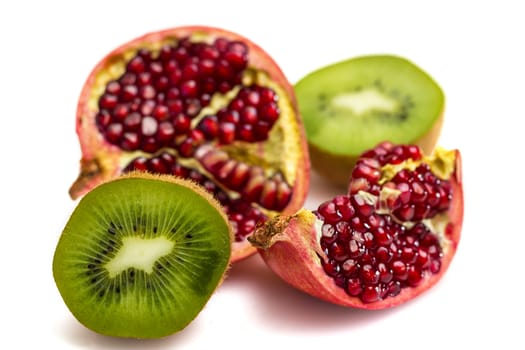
x,y
141,255
200,103
386,241
353,105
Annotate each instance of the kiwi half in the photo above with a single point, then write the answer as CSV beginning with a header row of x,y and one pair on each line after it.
x,y
351,106
141,255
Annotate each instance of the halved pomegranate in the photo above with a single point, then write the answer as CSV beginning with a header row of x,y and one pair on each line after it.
x,y
202,103
391,237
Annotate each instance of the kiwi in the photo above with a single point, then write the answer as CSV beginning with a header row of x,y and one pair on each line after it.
x,y
351,106
141,255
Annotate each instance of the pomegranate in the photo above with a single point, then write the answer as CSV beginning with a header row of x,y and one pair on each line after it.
x,y
201,103
390,238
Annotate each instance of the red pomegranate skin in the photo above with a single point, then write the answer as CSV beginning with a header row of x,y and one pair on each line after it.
x,y
290,246
102,161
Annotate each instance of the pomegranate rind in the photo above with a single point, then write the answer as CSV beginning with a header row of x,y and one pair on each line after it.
x,y
102,161
290,247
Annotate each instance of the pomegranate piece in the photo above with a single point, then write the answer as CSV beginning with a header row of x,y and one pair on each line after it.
x,y
391,237
200,103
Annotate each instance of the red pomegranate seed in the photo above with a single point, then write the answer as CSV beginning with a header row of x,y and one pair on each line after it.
x,y
160,112
103,119
269,112
113,88
132,121
370,294
108,101
166,131
130,141
369,274
181,123
209,125
114,132
189,89
121,111
175,106
129,92
136,65
249,115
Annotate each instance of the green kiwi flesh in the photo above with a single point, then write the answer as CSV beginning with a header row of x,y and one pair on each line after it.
x,y
351,106
141,255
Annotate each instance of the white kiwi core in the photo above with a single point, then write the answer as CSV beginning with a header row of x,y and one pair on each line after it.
x,y
139,253
363,101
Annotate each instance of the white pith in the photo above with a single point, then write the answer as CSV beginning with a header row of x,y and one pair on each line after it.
x,y
139,253
363,101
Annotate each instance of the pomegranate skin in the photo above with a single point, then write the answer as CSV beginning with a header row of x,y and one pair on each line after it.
x,y
102,161
290,247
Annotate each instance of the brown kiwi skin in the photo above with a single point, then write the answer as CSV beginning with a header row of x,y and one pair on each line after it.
x,y
337,169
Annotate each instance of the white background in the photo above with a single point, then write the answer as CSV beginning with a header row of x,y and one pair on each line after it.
x,y
473,49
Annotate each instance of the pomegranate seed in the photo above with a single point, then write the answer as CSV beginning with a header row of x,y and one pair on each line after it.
x,y
161,84
149,126
160,112
245,133
415,276
328,212
331,267
132,121
103,119
108,101
175,106
284,193
114,132
113,88
353,287
129,92
249,115
136,65
269,112
192,108
130,141
128,78
209,126
147,107
370,294
189,89
166,131
144,78
224,70
139,163
221,44
385,275
369,275
181,124
239,176
206,67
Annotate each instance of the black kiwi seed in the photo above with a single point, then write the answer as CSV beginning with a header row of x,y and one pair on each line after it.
x,y
101,282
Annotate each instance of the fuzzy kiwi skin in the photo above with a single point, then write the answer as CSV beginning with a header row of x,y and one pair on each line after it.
x,y
132,316
336,165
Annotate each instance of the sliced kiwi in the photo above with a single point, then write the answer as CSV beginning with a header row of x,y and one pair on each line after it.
x,y
141,255
351,106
